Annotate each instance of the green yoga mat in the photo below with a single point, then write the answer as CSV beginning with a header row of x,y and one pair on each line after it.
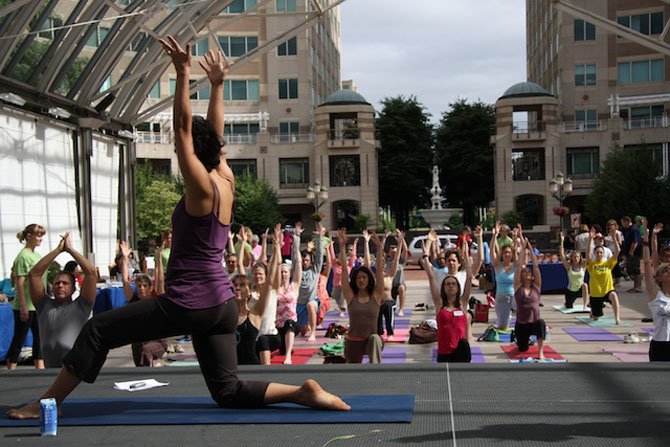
x,y
576,309
604,321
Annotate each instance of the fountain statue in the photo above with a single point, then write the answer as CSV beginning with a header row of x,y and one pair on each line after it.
x,y
436,216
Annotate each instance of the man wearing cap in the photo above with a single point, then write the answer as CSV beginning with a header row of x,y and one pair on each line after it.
x,y
599,241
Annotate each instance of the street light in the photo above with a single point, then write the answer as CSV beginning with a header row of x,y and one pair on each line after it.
x,y
317,195
560,188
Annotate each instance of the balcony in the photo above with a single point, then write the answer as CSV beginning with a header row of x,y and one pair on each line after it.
x,y
155,137
528,131
582,126
339,139
240,138
653,122
283,138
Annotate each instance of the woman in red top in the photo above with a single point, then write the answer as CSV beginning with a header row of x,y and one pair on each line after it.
x,y
452,315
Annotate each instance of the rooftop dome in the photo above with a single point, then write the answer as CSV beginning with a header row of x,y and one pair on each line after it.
x,y
525,89
344,97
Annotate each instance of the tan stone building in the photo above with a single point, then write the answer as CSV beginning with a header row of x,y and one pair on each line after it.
x,y
599,77
282,123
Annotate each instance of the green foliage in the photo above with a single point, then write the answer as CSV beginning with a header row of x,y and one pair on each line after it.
x,y
256,204
406,157
385,223
511,218
455,222
361,222
490,220
465,155
628,185
154,208
156,196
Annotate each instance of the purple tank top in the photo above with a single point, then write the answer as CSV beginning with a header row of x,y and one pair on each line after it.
x,y
196,278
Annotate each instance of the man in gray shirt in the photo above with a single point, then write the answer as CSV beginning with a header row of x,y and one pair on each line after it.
x,y
308,301
60,318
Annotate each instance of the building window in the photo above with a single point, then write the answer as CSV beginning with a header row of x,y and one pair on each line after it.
x,y
345,170
242,167
531,208
239,6
236,46
585,74
586,119
97,36
203,93
583,161
106,84
293,172
155,92
288,48
288,88
200,48
241,129
584,30
640,71
285,5
642,116
528,165
650,23
240,90
288,131
51,22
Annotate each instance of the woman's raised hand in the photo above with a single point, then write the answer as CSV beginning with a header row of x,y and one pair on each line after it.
x,y
123,248
342,237
181,57
214,67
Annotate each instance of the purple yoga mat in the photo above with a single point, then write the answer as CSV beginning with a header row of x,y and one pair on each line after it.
x,y
585,330
631,358
475,352
591,334
391,355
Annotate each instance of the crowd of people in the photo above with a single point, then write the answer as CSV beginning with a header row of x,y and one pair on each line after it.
x,y
239,306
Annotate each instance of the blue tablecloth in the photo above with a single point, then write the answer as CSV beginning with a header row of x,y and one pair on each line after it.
x,y
554,277
108,298
7,330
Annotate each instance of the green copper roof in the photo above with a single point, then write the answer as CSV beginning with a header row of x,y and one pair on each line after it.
x,y
344,97
525,89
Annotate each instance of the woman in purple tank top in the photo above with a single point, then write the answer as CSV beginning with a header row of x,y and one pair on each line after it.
x,y
199,294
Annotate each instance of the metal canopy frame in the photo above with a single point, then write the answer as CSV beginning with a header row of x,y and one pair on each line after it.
x,y
187,20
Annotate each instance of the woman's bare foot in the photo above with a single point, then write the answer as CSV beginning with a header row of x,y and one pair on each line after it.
x,y
312,395
401,313
288,361
312,336
30,411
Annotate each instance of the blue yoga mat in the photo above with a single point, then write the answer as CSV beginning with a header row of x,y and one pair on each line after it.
x,y
202,410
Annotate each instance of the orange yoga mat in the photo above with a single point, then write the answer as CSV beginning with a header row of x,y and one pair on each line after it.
x,y
299,357
513,352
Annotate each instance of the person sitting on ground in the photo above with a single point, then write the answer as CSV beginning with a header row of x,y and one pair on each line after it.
x,y
254,347
601,284
267,339
364,294
287,299
503,261
59,317
308,301
576,270
7,290
527,291
145,353
453,324
657,282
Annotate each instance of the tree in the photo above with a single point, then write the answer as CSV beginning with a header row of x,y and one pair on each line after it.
x,y
256,204
406,156
465,156
628,184
155,198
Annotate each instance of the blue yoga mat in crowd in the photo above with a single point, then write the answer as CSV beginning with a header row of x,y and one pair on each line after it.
x,y
202,410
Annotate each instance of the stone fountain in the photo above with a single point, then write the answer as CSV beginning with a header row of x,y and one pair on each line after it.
x,y
437,217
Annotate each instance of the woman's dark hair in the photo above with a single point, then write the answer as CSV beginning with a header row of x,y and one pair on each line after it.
x,y
443,294
71,266
371,279
206,142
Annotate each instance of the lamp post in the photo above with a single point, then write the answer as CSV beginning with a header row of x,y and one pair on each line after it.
x,y
317,196
560,188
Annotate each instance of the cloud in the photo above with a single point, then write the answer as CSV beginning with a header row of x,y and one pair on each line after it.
x,y
436,50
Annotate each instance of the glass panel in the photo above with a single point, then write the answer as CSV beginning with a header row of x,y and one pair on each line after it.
x,y
203,93
623,73
293,88
579,30
579,75
591,74
590,31
624,21
656,23
640,71
224,41
292,46
657,110
236,7
281,49
173,86
252,42
657,70
155,90
237,46
283,89
226,90
252,91
238,90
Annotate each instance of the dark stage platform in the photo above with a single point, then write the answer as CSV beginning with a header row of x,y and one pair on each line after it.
x,y
467,405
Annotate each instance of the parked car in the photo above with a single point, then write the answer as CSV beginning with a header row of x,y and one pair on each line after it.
x,y
447,241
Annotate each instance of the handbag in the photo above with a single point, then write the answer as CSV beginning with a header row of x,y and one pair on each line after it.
x,y
481,313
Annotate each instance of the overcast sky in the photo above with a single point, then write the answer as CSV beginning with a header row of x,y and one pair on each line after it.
x,y
436,50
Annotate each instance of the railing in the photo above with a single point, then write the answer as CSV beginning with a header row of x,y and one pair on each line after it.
x,y
240,138
582,126
522,127
348,134
646,123
291,138
154,137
